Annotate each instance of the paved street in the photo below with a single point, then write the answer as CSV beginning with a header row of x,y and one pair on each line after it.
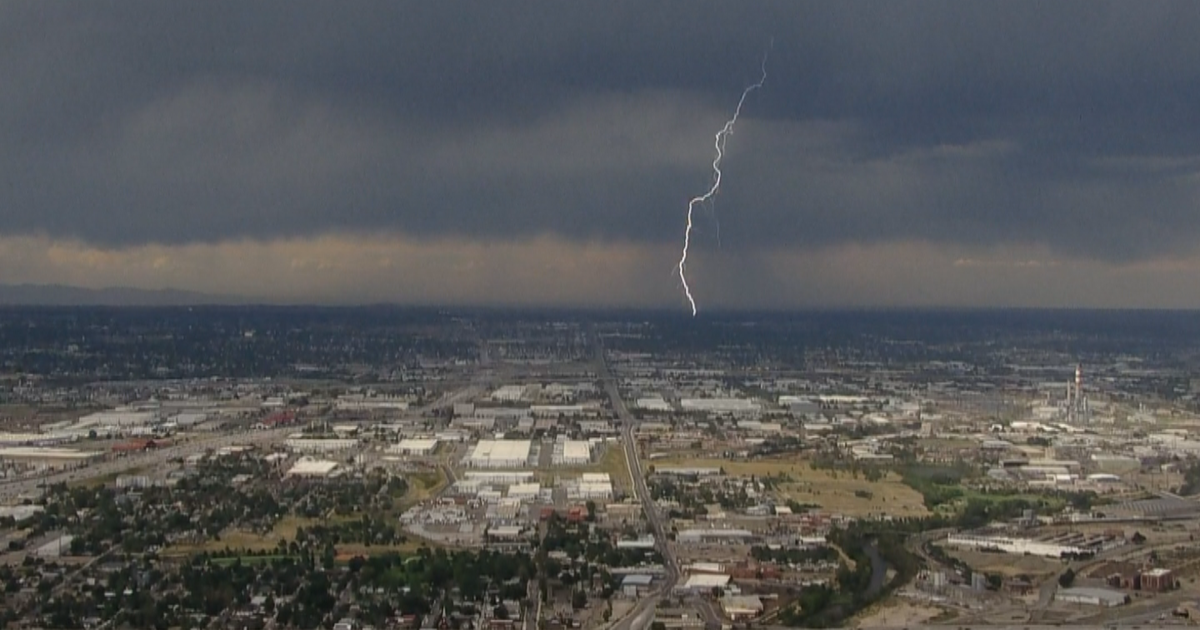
x,y
14,488
642,614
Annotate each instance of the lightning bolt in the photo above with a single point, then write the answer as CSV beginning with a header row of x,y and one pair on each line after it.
x,y
719,147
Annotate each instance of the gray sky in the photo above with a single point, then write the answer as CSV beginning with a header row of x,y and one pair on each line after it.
x,y
916,153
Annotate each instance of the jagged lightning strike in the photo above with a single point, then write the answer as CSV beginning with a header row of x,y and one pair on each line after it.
x,y
719,146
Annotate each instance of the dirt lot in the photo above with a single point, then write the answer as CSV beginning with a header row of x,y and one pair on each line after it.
x,y
1007,564
837,492
897,615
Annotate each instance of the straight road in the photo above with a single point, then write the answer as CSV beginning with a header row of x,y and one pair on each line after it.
x,y
642,614
11,489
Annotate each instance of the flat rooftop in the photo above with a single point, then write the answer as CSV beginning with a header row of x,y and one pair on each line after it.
x,y
35,452
312,467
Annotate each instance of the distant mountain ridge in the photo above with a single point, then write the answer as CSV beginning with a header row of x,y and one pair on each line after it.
x,y
65,295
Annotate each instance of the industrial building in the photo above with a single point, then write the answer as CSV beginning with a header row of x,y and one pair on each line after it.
x,y
1162,508
1106,598
655,403
572,453
567,411
499,454
705,582
60,546
509,393
414,446
499,478
590,486
635,585
720,536
359,402
301,444
720,406
741,607
1023,546
1159,580
117,418
20,513
308,467
45,457
524,491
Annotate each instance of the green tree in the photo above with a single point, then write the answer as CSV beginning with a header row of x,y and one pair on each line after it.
x,y
1067,578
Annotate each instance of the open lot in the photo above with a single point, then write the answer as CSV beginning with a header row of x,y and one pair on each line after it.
x,y
422,486
1007,564
238,539
835,491
897,614
285,529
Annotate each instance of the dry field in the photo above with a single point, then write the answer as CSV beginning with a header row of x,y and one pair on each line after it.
x,y
239,539
421,486
897,615
285,529
1007,564
833,491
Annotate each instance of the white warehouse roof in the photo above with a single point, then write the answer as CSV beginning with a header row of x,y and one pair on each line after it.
x,y
306,467
414,445
706,581
718,404
500,451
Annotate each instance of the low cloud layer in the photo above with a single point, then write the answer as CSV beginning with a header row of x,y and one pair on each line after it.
x,y
969,128
355,269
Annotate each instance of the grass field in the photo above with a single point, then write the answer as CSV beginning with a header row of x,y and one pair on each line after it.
x,y
422,486
347,551
285,529
249,559
833,491
1006,564
238,539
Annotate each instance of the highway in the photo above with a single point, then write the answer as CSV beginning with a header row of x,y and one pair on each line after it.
x,y
642,613
11,489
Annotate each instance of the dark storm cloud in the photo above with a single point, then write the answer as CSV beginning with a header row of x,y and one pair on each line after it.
x,y
1069,124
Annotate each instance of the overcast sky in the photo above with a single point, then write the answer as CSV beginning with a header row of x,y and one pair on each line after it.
x,y
900,153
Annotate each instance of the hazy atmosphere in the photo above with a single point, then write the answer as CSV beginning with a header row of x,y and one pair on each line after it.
x,y
902,153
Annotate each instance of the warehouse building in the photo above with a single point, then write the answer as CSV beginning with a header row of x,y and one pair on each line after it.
x,y
509,393
300,444
118,418
308,467
720,406
704,582
718,536
524,491
741,607
45,457
414,446
1161,508
635,585
360,402
499,478
654,403
572,453
1022,546
60,546
1103,597
499,454
566,411
591,486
